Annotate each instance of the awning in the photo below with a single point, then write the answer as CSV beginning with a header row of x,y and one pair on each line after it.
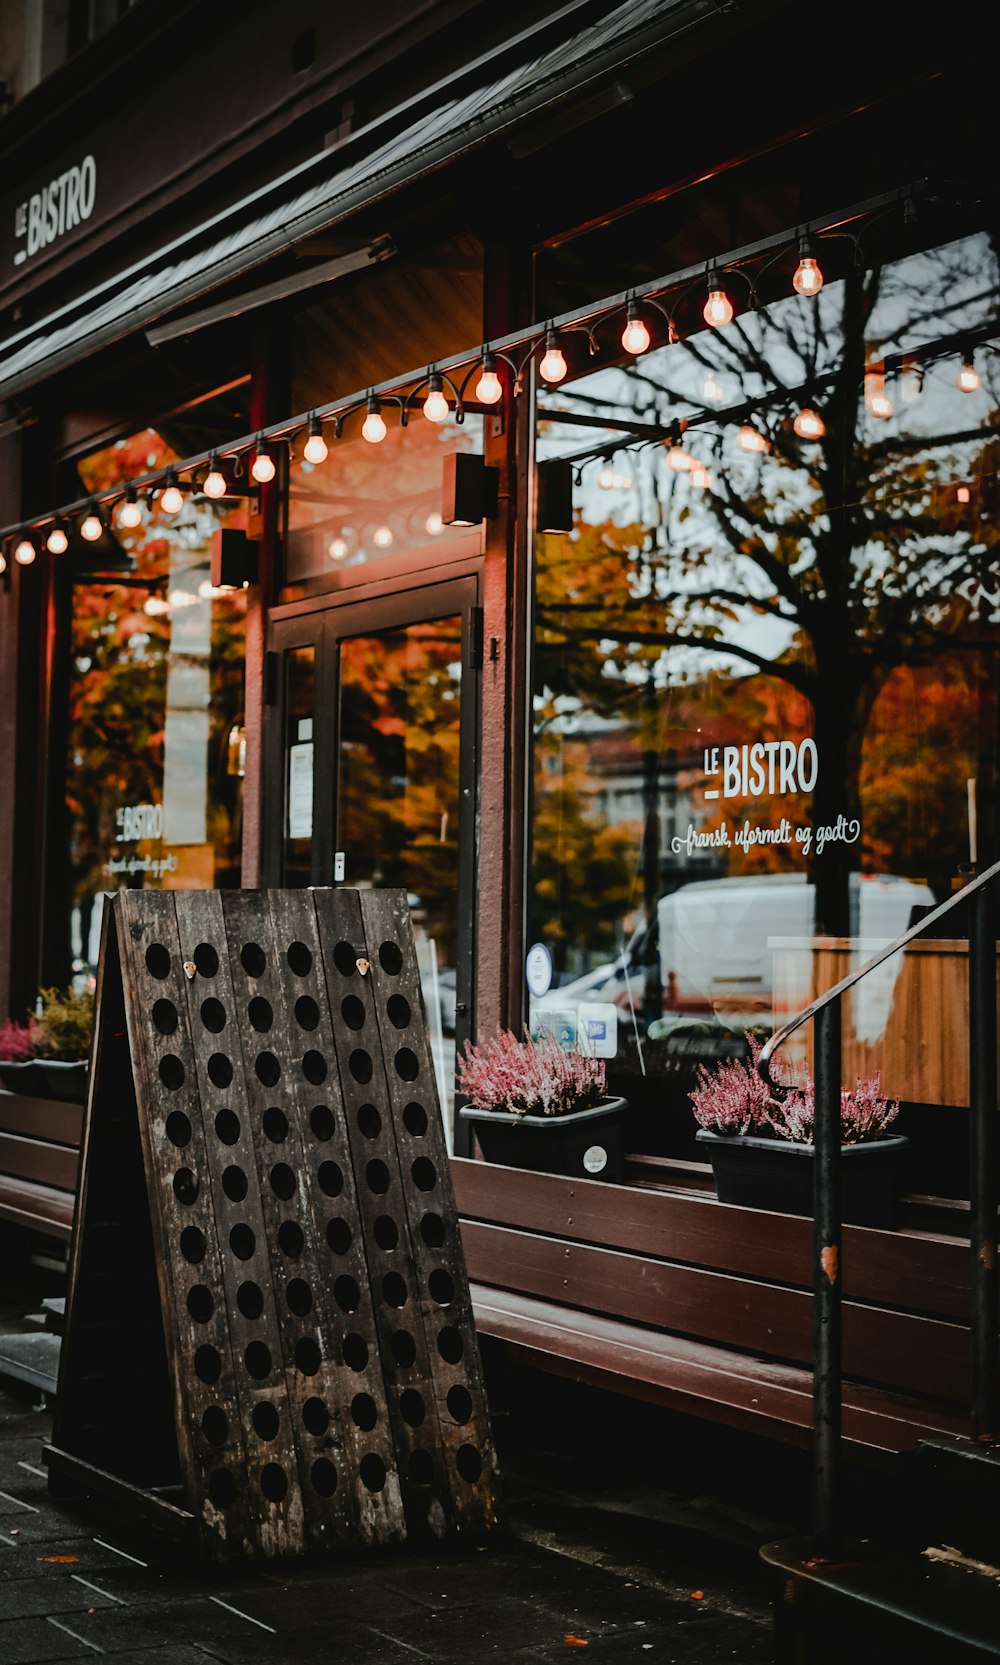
x,y
288,211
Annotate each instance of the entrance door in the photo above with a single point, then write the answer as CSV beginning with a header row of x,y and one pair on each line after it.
x,y
372,753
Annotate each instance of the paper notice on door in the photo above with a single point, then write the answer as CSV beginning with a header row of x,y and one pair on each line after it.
x,y
300,790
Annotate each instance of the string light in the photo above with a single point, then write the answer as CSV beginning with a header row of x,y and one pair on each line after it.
x,y
382,537
553,366
130,514
24,552
713,390
57,542
808,279
700,478
155,606
434,524
489,390
315,449
171,497
435,404
876,398
215,480
751,440
718,309
968,378
635,335
963,494
373,428
262,468
3,562
809,424
679,459
337,549
91,527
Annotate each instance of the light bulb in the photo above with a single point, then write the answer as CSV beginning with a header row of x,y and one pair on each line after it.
x,y
130,514
876,398
374,428
215,480
435,404
701,479
968,378
553,365
24,552
809,424
749,439
679,459
3,561
155,606
808,279
713,390
91,527
337,549
963,494
635,335
718,309
57,542
382,537
315,449
262,468
489,390
171,497
434,524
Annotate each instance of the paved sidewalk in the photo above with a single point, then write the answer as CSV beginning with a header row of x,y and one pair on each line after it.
x,y
613,1568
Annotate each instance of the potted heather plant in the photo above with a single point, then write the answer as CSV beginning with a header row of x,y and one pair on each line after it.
x,y
535,1105
47,1056
759,1140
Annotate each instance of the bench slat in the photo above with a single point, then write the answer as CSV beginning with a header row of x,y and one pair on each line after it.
x,y
41,1118
36,1206
39,1162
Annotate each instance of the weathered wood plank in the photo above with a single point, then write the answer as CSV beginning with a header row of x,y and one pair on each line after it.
x,y
42,1118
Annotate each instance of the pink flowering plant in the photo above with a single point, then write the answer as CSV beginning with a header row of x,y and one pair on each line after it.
x,y
733,1099
19,1042
529,1077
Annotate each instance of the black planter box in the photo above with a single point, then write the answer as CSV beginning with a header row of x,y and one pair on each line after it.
x,y
773,1174
586,1144
46,1078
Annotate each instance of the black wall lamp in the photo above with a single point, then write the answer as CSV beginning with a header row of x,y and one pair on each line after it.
x,y
469,490
554,496
232,559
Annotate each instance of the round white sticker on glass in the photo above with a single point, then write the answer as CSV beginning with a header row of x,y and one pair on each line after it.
x,y
538,969
595,1159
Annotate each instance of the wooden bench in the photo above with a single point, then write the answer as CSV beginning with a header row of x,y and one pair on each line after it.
x,y
675,1298
39,1158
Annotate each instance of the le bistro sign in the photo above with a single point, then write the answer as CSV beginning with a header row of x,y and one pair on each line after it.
x,y
48,214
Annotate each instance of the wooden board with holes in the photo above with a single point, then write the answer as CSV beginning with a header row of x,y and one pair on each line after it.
x,y
264,1169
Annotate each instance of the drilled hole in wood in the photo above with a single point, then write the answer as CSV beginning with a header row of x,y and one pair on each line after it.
x,y
273,1482
253,959
420,1469
207,1364
275,1124
260,1014
377,1177
372,1471
234,1183
314,1068
352,1010
299,1296
415,1119
460,1403
227,1127
299,959
193,1245
398,1008
178,1129
185,1187
364,1412
315,1417
265,1419
213,1015
412,1407
306,1012
242,1241
200,1303
307,1355
322,1122
338,1236
360,1065
250,1300
222,1488
403,1348
324,1477
406,1065
331,1179
171,1072
346,1293
469,1463
450,1344
424,1173
290,1239
386,1232
369,1121
157,961
355,1352
267,1069
220,1070
344,958
441,1287
215,1425
394,1290
390,958
164,1016
206,959
283,1181
432,1230
257,1359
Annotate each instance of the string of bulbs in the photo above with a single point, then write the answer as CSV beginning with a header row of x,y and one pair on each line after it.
x,y
256,453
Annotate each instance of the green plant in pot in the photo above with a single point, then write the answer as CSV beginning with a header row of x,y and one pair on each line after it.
x,y
536,1105
759,1140
47,1056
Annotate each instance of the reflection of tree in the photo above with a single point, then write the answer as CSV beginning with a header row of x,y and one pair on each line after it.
x,y
822,566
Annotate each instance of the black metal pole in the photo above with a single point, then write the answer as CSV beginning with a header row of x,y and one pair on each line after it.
x,y
983,1165
827,1280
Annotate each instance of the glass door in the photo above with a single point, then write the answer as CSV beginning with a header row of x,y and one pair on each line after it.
x,y
377,727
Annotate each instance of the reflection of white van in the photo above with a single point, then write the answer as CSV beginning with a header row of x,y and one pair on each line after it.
x,y
717,935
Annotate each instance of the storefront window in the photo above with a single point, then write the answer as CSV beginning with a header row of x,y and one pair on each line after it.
x,y
156,740
766,668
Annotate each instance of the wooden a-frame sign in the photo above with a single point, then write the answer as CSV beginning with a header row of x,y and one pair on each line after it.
x,y
269,1339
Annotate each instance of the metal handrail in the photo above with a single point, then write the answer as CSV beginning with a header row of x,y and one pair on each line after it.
x,y
984,1192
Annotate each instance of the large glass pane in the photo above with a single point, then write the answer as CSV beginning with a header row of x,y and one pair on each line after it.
x,y
300,716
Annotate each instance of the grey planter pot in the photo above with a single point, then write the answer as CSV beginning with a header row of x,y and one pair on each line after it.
x,y
587,1144
776,1175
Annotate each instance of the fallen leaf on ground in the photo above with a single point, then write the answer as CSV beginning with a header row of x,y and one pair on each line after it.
x,y
575,1642
58,1560
697,1595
